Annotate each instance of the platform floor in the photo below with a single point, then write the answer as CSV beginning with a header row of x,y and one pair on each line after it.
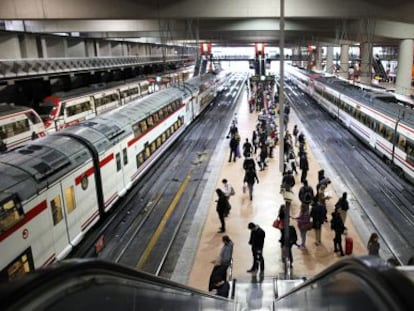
x,y
262,211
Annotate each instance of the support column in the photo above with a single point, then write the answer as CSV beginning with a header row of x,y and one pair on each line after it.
x,y
366,62
318,58
343,72
329,59
405,63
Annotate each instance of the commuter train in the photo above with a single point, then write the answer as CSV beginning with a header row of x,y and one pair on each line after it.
x,y
54,189
18,125
65,109
382,120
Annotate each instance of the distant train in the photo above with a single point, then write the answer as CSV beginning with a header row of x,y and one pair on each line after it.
x,y
54,189
64,109
18,125
384,121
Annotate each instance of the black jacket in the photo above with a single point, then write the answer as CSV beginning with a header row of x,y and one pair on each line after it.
x,y
257,237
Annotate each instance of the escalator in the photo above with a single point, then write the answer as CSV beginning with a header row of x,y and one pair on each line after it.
x,y
365,283
379,69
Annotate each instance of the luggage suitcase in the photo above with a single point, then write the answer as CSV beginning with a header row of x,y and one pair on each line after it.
x,y
349,244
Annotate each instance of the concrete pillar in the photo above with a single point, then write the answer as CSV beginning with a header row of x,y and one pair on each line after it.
x,y
90,48
97,49
405,64
44,47
329,59
343,72
318,58
366,62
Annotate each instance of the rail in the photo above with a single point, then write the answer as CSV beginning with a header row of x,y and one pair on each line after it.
x,y
365,283
99,285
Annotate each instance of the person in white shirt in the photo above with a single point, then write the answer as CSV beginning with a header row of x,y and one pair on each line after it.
x,y
227,189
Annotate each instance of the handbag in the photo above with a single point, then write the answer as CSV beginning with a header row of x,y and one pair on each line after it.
x,y
288,196
278,223
307,226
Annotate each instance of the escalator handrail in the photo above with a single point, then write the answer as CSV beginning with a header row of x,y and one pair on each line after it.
x,y
393,285
42,280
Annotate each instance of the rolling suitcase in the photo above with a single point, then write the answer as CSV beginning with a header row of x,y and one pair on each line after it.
x,y
349,244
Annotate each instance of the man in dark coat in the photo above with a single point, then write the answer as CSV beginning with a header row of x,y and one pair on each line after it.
x,y
337,225
257,236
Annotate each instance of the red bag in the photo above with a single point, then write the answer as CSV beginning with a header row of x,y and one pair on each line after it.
x,y
278,223
349,245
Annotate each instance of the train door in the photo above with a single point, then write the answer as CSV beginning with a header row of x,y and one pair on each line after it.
x,y
112,178
372,134
55,204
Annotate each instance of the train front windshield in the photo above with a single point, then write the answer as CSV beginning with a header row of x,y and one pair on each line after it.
x,y
47,110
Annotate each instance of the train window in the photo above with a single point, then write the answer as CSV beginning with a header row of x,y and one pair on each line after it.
x,y
175,126
402,142
118,161
21,126
143,126
163,138
136,129
140,159
98,102
389,135
150,121
155,118
11,213
19,267
160,114
168,132
410,150
70,199
56,207
33,118
153,146
147,152
159,142
170,109
2,132
125,155
144,88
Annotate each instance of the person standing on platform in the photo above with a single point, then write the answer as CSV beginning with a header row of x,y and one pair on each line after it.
x,y
295,134
318,215
306,195
263,157
255,141
304,223
373,245
233,148
292,241
342,206
338,227
247,148
228,189
250,178
304,166
222,263
222,209
249,164
257,236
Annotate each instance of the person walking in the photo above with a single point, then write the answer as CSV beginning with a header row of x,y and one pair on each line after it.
x,y
373,245
342,206
249,178
247,148
222,209
318,215
257,236
338,227
303,165
295,134
233,148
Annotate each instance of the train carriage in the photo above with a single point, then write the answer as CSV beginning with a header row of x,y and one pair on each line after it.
x,y
56,188
385,122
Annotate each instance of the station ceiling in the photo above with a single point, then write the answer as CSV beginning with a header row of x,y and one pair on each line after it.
x,y
222,22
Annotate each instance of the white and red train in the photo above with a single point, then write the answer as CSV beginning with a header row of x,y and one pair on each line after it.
x,y
384,121
20,124
54,189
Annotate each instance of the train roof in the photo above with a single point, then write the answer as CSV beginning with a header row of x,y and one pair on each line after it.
x,y
384,102
29,169
6,109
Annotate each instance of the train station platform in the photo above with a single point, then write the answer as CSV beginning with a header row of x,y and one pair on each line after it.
x,y
204,243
